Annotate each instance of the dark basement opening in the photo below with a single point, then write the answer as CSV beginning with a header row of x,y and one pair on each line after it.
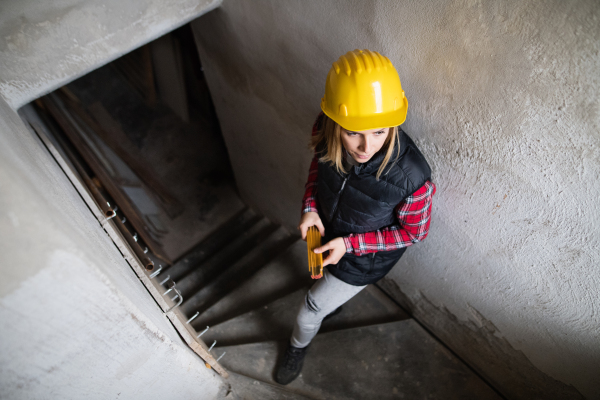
x,y
142,134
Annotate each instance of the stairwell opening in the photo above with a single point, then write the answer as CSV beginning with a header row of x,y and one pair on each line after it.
x,y
140,140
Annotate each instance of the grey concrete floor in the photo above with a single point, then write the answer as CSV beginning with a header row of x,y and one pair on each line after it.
x,y
372,350
384,361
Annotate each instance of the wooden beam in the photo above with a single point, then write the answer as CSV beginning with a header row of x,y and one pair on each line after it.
x,y
53,104
118,142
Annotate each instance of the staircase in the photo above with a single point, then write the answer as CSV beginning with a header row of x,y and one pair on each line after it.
x,y
246,282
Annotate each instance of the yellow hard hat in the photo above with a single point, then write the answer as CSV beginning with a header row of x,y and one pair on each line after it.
x,y
363,92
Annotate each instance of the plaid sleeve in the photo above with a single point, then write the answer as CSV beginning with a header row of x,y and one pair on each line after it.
x,y
414,215
309,201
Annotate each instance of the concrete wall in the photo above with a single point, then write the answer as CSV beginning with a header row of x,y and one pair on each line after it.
x,y
76,321
503,101
45,44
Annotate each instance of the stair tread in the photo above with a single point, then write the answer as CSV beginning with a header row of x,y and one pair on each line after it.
x,y
245,388
283,275
223,235
218,264
275,320
384,361
237,273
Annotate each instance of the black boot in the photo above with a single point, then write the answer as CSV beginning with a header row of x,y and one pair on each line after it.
x,y
291,365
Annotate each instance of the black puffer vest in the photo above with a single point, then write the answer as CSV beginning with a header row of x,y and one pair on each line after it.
x,y
357,202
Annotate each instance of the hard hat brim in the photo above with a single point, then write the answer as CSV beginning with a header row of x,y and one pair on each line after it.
x,y
364,123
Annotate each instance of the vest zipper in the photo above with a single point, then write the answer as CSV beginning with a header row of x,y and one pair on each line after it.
x,y
335,206
372,264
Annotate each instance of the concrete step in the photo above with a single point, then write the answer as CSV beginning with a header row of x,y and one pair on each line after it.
x,y
274,321
235,274
283,275
244,242
384,361
244,388
215,242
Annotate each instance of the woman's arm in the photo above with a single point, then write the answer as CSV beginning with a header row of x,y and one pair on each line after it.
x,y
414,215
309,201
310,213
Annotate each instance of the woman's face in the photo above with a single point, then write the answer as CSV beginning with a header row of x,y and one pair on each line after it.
x,y
362,145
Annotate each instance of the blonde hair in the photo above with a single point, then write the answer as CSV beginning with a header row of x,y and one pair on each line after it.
x,y
330,135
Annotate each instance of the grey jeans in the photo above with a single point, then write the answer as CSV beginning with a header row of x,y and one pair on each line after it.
x,y
323,297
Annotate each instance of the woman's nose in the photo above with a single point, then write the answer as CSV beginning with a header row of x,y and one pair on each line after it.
x,y
366,145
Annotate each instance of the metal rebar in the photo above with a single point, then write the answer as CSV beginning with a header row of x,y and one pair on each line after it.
x,y
178,302
124,220
203,332
165,280
221,356
211,346
193,318
135,236
171,288
155,273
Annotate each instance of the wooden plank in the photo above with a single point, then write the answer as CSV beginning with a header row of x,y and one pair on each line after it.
x,y
170,78
68,124
100,198
136,68
46,133
70,163
117,140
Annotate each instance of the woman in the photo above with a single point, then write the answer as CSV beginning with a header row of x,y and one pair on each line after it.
x,y
368,191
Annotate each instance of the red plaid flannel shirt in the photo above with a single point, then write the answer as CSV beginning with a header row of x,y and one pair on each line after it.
x,y
414,215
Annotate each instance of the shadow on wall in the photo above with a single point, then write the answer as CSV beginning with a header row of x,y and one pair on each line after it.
x,y
457,334
499,97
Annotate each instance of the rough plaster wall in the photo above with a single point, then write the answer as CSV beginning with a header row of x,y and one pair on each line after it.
x,y
503,101
45,44
76,321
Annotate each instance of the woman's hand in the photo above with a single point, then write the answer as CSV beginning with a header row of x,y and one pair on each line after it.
x,y
310,219
337,249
